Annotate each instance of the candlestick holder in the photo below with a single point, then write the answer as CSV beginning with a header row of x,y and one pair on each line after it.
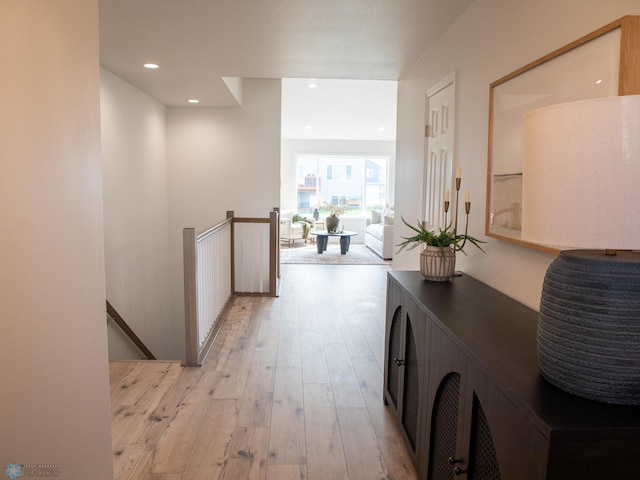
x,y
467,208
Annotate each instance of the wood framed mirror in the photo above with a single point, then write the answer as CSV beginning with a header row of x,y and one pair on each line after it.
x,y
603,63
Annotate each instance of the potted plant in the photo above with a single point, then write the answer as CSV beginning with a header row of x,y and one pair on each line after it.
x,y
332,221
438,258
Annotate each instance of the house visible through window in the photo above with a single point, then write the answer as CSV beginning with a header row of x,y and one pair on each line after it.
x,y
357,183
338,172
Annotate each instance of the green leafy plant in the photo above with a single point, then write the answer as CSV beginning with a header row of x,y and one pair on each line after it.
x,y
444,238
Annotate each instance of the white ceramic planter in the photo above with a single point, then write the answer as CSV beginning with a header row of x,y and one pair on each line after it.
x,y
436,265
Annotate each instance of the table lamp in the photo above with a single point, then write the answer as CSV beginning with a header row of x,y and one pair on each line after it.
x,y
315,204
581,191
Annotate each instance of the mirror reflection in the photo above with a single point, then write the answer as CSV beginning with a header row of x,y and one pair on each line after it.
x,y
583,69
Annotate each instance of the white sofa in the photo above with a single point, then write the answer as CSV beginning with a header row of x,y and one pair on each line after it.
x,y
378,234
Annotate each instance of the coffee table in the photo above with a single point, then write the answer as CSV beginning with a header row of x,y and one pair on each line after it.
x,y
323,240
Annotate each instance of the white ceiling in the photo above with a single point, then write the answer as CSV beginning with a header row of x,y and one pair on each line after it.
x,y
205,47
339,109
198,42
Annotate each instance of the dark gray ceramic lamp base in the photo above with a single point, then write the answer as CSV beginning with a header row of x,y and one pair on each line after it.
x,y
589,325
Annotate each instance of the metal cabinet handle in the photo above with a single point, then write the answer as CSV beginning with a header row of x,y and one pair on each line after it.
x,y
452,460
459,471
398,362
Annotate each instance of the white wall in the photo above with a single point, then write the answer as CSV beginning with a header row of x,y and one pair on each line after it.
x,y
53,347
136,215
220,159
491,39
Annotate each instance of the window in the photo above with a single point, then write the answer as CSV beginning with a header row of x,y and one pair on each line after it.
x,y
359,183
339,172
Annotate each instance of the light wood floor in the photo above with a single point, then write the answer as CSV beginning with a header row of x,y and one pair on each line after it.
x,y
292,389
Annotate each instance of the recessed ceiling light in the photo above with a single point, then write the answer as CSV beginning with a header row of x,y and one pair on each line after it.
x,y
193,100
598,82
151,66
313,85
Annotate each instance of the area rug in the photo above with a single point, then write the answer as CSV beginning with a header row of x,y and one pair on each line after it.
x,y
358,254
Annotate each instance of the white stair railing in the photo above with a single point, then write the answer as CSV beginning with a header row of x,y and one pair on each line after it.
x,y
236,256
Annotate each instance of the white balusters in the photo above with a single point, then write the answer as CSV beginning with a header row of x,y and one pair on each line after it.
x,y
239,255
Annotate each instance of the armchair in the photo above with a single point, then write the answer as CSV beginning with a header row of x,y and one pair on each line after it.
x,y
290,231
294,228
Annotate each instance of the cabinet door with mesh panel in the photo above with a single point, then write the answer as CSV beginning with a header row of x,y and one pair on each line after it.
x,y
414,387
405,371
498,441
394,348
443,446
476,432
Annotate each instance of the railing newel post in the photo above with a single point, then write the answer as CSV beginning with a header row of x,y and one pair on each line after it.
x,y
190,295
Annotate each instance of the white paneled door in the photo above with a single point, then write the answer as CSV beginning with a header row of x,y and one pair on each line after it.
x,y
438,175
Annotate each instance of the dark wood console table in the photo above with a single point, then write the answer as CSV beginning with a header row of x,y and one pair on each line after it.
x,y
461,377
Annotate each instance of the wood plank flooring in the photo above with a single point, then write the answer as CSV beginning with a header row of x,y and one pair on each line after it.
x,y
292,389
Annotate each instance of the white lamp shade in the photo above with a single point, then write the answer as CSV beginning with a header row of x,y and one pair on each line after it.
x,y
581,176
315,201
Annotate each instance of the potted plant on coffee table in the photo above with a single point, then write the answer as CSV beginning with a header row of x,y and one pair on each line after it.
x,y
438,258
332,221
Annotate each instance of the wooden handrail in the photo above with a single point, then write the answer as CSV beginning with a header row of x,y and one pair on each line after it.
x,y
214,228
129,332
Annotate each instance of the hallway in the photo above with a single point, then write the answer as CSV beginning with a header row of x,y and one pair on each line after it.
x,y
292,389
